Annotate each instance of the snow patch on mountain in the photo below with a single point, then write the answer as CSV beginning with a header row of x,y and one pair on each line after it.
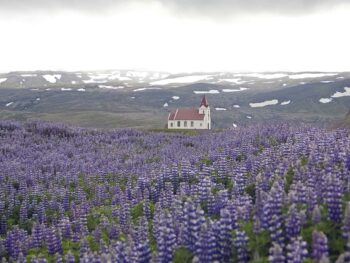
x,y
338,94
143,89
264,75
28,75
212,91
235,81
325,100
285,102
234,90
52,78
89,81
2,80
178,80
264,103
311,75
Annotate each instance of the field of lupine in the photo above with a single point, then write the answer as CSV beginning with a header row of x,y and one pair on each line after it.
x,y
261,194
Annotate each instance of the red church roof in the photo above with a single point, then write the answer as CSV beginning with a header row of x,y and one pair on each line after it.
x,y
186,115
204,102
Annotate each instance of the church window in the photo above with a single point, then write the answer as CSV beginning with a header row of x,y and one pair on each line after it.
x,y
178,123
185,123
192,123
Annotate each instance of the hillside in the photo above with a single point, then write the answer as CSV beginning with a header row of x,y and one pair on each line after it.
x,y
347,120
141,99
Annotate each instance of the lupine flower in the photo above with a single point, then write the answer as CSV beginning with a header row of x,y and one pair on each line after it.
x,y
241,244
97,189
297,251
276,254
319,246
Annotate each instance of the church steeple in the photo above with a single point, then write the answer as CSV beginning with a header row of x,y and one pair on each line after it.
x,y
204,102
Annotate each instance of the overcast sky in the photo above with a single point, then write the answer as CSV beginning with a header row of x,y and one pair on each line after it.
x,y
175,35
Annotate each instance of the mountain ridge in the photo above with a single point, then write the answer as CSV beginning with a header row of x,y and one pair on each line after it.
x,y
127,98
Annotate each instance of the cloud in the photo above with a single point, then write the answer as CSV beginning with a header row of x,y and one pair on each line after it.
x,y
211,8
58,5
227,7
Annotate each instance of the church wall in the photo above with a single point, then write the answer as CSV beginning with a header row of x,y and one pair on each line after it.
x,y
196,125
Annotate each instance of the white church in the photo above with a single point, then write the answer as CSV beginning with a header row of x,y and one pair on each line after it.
x,y
193,118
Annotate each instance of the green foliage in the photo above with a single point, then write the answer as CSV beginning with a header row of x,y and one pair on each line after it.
x,y
73,247
229,185
182,255
105,236
42,253
346,198
72,187
304,161
189,144
204,206
92,222
289,179
154,159
152,240
261,260
14,220
176,131
207,162
51,214
93,219
226,181
27,225
241,157
94,246
250,190
273,141
122,183
136,212
15,185
258,244
153,208
334,234
261,149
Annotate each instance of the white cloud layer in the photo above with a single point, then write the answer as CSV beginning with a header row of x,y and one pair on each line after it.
x,y
150,36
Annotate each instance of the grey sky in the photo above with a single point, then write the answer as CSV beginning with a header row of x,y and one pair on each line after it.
x,y
215,8
175,35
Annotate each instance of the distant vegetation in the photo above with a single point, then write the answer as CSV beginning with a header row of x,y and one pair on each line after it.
x,y
265,193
